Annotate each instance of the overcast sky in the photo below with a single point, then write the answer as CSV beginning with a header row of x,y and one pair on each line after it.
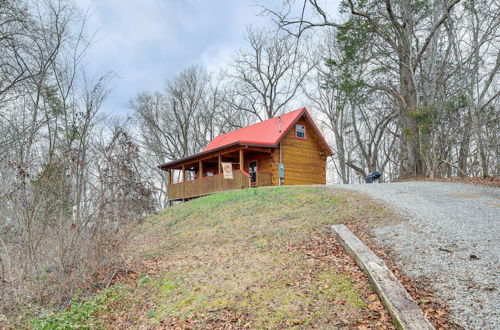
x,y
148,41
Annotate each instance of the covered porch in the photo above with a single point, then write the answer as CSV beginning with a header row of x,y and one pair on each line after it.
x,y
202,174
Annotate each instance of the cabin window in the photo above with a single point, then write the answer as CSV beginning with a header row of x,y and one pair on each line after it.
x,y
300,131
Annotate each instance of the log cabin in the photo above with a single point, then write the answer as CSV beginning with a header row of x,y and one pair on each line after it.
x,y
284,150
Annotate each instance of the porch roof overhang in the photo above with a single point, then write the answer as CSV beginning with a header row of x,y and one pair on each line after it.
x,y
175,164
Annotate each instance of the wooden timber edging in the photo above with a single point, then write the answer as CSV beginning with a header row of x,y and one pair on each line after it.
x,y
403,309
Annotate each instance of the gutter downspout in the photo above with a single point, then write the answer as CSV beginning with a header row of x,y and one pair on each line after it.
x,y
281,161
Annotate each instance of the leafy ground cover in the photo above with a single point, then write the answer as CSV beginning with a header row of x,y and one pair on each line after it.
x,y
254,258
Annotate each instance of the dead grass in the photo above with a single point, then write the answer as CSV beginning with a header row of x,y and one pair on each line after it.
x,y
259,258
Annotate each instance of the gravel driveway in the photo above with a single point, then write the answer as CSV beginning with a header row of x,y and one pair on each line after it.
x,y
452,237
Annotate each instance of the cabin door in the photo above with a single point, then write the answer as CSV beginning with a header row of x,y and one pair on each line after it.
x,y
252,170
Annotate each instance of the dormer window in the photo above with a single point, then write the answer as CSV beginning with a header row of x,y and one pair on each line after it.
x,y
300,131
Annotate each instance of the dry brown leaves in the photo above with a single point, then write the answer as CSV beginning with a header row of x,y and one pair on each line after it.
x,y
418,288
328,254
223,319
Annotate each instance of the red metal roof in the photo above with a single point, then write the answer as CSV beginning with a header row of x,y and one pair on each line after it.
x,y
268,132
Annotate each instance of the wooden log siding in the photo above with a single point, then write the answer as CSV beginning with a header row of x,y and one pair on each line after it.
x,y
304,159
207,185
264,179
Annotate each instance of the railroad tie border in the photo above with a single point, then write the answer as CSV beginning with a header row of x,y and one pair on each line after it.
x,y
403,309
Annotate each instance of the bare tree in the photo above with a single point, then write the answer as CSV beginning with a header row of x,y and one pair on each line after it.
x,y
394,25
53,233
267,76
484,23
180,120
14,18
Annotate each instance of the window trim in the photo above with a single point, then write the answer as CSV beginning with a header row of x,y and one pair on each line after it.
x,y
298,137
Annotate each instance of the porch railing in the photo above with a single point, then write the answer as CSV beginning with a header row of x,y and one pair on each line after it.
x,y
208,185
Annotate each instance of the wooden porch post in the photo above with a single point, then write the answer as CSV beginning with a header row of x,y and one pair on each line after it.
x,y
169,181
183,173
242,160
200,169
169,176
220,164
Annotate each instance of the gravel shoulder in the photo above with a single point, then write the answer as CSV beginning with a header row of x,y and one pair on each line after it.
x,y
451,237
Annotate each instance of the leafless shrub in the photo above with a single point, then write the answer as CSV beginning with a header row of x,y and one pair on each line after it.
x,y
70,187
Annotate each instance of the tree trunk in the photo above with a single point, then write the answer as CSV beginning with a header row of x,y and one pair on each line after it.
x,y
463,154
412,162
339,141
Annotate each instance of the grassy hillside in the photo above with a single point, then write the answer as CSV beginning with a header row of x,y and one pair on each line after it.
x,y
257,258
